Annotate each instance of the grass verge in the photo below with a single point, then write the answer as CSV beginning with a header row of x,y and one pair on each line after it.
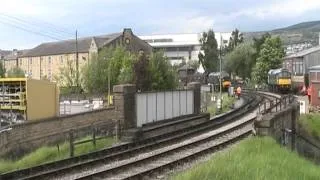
x,y
254,158
311,123
48,154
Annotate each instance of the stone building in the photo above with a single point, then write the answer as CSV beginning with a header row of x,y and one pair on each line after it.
x,y
46,59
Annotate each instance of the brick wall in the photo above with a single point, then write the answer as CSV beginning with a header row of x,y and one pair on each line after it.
x,y
31,135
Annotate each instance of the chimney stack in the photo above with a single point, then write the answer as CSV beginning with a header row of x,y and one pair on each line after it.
x,y
15,52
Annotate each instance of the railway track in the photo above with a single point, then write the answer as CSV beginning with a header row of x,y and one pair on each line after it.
x,y
134,160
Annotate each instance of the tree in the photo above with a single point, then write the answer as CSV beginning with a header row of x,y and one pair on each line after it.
x,y
209,58
235,39
163,75
141,71
114,63
257,43
67,79
2,70
16,72
240,61
270,57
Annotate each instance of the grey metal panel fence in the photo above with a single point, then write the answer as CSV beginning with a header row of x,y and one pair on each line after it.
x,y
157,106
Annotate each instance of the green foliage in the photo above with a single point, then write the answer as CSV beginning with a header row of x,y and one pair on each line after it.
x,y
115,63
240,61
209,59
142,73
67,79
270,57
226,104
16,72
257,43
254,158
311,123
2,70
48,154
235,39
163,75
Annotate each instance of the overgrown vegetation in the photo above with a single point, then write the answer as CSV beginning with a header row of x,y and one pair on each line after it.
x,y
48,154
311,123
226,105
254,158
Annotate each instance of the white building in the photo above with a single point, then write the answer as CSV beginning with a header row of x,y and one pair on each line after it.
x,y
182,47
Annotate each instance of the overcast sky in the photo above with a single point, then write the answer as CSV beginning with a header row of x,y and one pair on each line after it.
x,y
60,18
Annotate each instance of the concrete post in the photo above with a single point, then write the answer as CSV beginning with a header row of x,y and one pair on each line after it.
x,y
196,86
125,105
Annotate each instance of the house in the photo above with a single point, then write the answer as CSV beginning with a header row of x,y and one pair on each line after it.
x,y
46,59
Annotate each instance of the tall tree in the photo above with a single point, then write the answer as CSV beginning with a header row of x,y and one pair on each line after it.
x,y
141,70
209,58
235,39
257,43
163,75
16,72
240,61
270,57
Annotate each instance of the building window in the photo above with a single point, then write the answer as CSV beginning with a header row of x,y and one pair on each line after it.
x,y
318,76
313,76
61,59
30,61
49,59
20,62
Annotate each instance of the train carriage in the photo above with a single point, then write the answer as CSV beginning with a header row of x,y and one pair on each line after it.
x,y
214,78
279,80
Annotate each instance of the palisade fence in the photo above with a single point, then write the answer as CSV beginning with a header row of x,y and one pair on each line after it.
x,y
157,106
77,103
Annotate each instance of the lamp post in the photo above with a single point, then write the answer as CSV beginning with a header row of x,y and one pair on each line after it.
x,y
219,101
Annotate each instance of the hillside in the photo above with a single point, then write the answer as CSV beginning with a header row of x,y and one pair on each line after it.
x,y
298,33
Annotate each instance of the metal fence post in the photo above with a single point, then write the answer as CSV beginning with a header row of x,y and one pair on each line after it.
x,y
71,139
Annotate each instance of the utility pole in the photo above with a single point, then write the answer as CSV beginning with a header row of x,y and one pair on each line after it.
x,y
77,61
220,66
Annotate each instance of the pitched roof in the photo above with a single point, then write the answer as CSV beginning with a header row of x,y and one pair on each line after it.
x,y
14,56
304,52
69,46
4,53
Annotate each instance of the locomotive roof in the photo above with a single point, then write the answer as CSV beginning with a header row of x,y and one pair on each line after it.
x,y
276,71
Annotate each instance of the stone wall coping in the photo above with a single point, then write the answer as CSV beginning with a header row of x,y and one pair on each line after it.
x,y
124,88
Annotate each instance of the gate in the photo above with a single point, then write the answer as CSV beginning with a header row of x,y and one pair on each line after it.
x,y
157,106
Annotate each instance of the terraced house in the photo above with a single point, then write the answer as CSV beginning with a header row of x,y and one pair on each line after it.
x,y
46,59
